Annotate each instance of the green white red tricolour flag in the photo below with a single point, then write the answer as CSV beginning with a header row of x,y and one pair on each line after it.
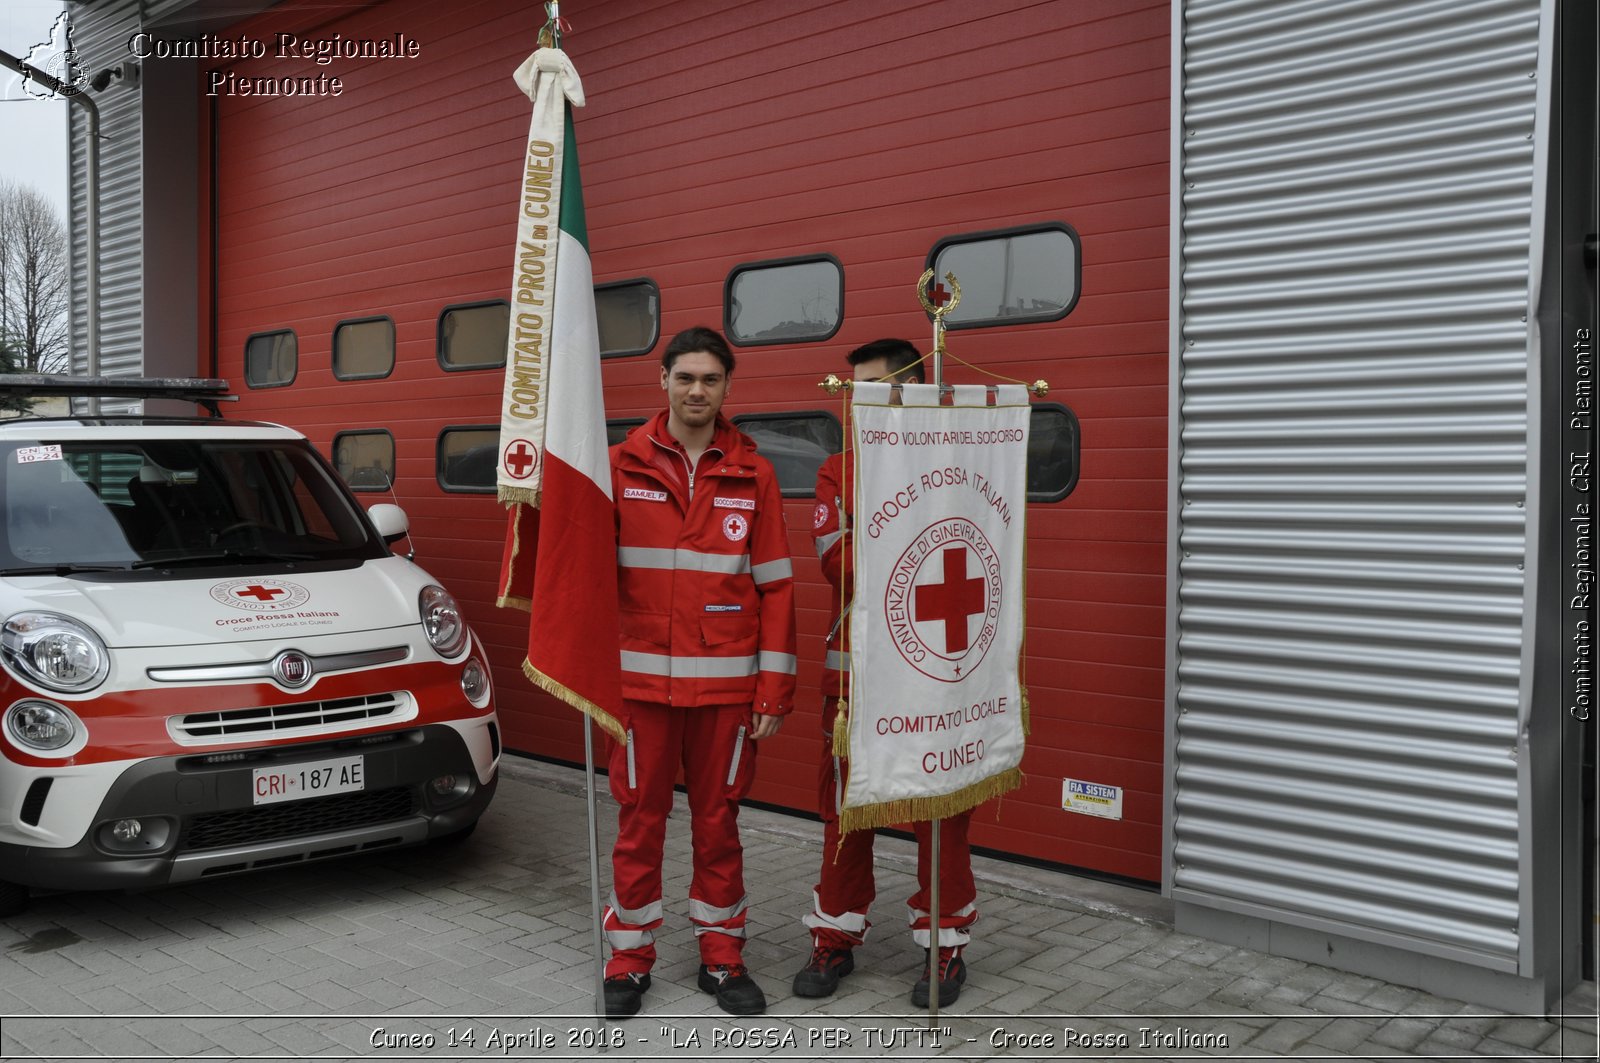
x,y
560,559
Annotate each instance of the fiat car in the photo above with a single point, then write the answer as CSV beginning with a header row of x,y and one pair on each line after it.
x,y
212,661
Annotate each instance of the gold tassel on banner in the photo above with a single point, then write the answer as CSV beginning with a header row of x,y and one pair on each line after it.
x,y
1027,725
917,809
600,716
841,731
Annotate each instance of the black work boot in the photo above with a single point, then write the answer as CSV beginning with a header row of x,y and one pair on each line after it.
x,y
624,993
952,973
820,976
736,992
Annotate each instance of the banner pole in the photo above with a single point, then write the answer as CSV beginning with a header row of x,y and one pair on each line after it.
x,y
594,870
933,923
933,826
937,302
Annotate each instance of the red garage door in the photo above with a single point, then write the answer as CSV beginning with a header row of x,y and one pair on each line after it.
x,y
351,229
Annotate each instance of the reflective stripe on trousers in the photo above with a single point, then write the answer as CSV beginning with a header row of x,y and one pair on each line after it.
x,y
954,929
630,928
709,919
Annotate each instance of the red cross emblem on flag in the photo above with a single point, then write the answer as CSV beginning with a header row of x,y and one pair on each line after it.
x,y
943,600
520,460
952,601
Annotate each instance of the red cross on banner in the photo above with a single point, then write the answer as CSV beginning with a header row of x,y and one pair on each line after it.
x,y
952,600
521,458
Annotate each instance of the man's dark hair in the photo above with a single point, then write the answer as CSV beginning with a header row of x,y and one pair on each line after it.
x,y
698,338
901,354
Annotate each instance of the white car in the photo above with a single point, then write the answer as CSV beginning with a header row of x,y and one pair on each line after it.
x,y
211,661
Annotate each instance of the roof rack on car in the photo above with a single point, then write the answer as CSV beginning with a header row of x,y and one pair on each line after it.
x,y
206,392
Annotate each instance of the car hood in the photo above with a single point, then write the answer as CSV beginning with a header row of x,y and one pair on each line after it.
x,y
194,611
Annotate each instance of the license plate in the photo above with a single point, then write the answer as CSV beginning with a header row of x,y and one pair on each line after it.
x,y
316,779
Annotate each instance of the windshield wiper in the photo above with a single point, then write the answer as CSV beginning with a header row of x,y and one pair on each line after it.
x,y
62,570
231,556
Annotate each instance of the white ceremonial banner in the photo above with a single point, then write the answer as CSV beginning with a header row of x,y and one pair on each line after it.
x,y
936,718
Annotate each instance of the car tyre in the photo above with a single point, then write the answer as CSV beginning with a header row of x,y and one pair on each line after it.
x,y
456,837
13,899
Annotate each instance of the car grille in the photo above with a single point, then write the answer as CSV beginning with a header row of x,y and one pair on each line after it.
x,y
335,713
249,826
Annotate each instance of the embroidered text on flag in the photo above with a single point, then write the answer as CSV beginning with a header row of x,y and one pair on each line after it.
x,y
936,713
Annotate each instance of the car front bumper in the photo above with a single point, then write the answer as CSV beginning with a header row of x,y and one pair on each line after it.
x,y
199,815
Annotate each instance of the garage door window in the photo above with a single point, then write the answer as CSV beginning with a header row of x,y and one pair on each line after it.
x,y
617,428
365,459
1052,452
629,316
1008,276
796,443
473,335
271,359
364,349
466,458
793,300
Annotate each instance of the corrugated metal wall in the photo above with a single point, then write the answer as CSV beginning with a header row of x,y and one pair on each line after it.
x,y
1350,464
101,32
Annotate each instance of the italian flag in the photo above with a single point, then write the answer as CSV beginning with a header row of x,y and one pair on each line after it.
x,y
560,561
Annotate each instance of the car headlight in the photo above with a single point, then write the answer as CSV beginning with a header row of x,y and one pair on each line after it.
x,y
40,725
55,651
441,619
475,683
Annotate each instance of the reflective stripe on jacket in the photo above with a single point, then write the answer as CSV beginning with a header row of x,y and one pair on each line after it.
x,y
705,582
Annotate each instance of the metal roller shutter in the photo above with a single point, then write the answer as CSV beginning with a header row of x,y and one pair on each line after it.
x,y
1350,477
103,41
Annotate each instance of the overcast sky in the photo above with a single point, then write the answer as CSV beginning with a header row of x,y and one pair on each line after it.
x,y
33,132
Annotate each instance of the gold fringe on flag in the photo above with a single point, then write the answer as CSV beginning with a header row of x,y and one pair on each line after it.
x,y
600,716
917,809
841,731
505,600
528,496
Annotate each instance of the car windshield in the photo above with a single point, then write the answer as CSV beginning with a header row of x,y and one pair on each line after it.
x,y
136,503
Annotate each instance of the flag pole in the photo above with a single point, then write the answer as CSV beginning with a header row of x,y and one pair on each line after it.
x,y
938,308
594,870
550,35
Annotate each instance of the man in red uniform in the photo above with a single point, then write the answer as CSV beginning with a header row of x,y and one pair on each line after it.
x,y
708,662
838,919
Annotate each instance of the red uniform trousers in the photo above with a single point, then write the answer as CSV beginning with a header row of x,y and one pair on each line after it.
x,y
718,759
839,906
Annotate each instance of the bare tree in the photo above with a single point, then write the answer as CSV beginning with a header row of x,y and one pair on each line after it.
x,y
11,362
35,293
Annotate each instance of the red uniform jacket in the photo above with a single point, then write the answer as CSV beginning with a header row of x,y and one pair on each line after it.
x,y
830,531
705,583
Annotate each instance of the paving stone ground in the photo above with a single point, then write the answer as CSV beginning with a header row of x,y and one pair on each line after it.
x,y
485,950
